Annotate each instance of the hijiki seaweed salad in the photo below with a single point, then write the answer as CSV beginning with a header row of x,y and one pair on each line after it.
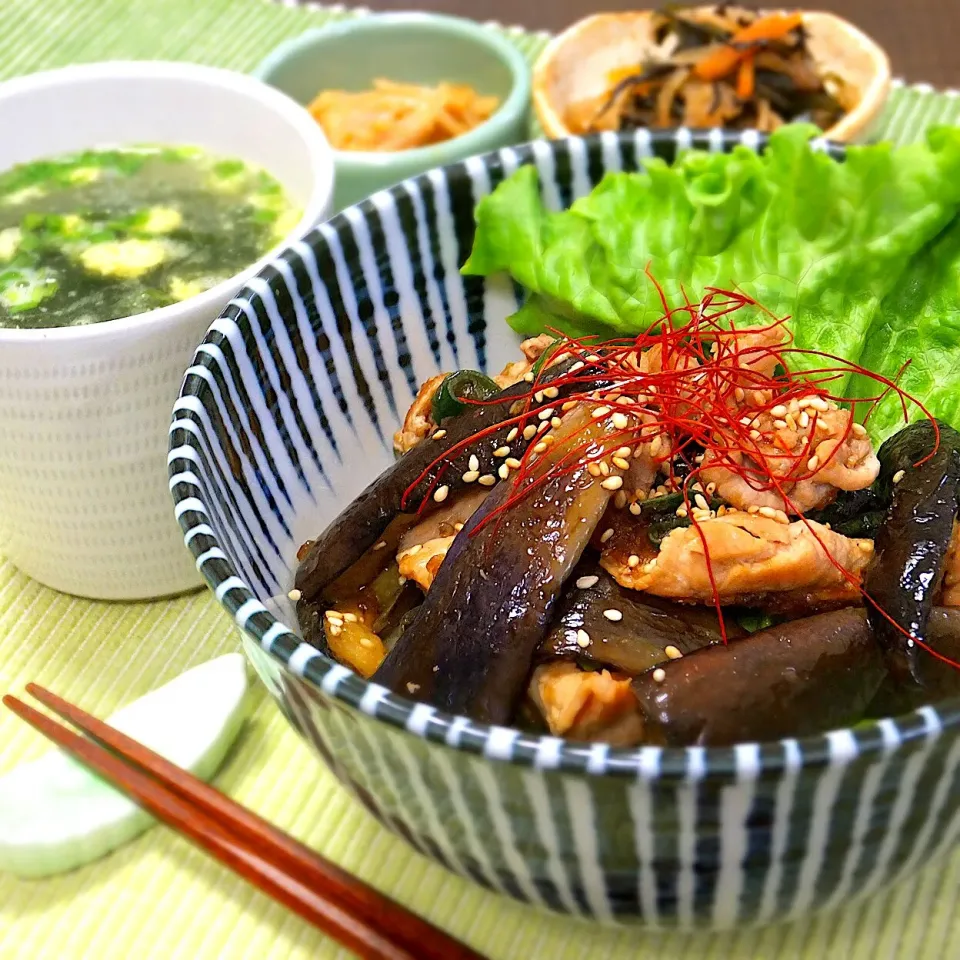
x,y
715,497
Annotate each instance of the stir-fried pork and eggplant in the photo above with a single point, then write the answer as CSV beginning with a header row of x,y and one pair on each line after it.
x,y
672,539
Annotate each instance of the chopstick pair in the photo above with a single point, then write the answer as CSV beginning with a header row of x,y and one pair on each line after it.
x,y
345,908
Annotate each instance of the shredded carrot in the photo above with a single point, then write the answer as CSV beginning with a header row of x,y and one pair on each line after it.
x,y
722,62
399,116
745,78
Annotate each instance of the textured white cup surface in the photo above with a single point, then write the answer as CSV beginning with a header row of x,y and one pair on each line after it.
x,y
84,411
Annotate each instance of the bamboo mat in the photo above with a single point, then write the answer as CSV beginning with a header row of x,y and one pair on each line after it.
x,y
158,898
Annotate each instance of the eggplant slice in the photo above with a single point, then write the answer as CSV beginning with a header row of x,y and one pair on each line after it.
x,y
912,542
792,680
364,520
941,680
470,646
635,642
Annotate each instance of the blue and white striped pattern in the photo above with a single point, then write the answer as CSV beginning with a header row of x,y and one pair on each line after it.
x,y
288,411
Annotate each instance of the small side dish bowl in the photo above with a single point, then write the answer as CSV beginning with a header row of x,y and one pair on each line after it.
x,y
313,365
84,505
577,64
420,48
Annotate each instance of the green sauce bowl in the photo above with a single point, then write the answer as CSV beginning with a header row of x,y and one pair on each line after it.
x,y
417,48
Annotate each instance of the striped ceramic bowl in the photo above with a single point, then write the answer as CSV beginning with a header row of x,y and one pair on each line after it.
x,y
288,412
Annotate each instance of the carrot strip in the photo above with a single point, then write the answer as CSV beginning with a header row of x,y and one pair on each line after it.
x,y
745,79
724,61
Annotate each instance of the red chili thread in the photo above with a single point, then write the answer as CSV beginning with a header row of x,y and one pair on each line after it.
x,y
691,401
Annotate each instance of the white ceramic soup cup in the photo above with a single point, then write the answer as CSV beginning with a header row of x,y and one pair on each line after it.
x,y
84,411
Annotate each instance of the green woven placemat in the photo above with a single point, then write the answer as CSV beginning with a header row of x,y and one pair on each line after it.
x,y
158,897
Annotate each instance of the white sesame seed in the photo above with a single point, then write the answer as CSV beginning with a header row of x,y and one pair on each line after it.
x,y
583,638
294,595
606,535
612,483
470,476
659,675
672,652
439,435
613,615
899,475
585,583
501,451
440,494
487,480
620,421
633,561
512,435
504,471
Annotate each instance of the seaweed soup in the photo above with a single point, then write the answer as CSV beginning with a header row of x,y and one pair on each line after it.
x,y
109,233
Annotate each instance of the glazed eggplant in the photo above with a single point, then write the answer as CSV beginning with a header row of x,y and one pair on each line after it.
x,y
791,680
941,680
912,542
639,638
470,646
357,528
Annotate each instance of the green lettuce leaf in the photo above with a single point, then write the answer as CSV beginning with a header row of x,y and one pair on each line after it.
x,y
919,322
807,236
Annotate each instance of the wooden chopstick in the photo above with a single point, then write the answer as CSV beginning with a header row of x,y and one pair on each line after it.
x,y
353,913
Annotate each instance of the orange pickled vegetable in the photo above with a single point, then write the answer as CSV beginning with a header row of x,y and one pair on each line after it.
x,y
722,62
399,116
